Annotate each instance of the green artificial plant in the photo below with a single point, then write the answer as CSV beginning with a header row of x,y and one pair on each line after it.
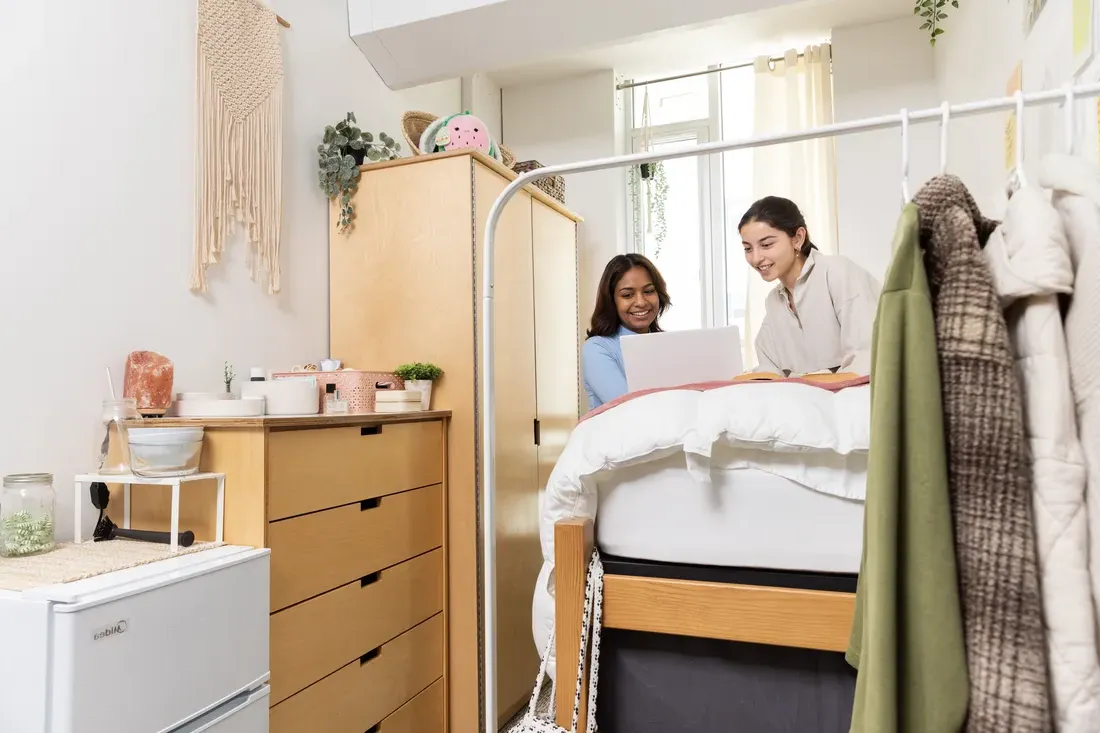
x,y
416,371
228,375
933,13
342,150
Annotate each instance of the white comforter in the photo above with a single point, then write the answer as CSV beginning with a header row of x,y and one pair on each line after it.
x,y
807,434
1029,259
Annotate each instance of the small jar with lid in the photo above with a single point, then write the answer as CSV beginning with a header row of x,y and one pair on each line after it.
x,y
26,514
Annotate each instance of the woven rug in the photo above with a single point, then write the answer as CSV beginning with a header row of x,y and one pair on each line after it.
x,y
68,562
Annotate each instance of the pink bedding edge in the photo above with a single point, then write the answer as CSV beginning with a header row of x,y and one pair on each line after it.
x,y
705,386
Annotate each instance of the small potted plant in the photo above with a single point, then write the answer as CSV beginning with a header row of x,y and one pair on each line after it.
x,y
420,377
342,150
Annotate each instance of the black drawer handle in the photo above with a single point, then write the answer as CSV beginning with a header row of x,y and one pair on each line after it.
x,y
370,430
372,654
370,503
370,579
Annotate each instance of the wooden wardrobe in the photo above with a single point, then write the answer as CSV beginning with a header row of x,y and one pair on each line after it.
x,y
406,286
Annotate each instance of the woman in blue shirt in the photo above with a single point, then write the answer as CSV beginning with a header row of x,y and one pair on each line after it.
x,y
632,296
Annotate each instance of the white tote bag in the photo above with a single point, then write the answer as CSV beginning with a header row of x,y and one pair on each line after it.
x,y
593,617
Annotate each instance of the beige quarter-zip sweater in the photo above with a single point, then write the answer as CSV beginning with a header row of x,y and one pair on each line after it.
x,y
831,323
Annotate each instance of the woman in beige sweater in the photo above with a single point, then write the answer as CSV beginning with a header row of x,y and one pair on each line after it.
x,y
820,315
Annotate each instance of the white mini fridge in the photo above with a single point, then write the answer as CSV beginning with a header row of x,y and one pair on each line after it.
x,y
174,646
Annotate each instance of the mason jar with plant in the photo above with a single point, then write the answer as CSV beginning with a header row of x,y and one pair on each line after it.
x,y
343,149
420,377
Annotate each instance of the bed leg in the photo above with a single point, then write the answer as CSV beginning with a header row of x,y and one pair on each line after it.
x,y
573,540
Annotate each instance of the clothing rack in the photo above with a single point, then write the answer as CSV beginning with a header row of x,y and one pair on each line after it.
x,y
902,120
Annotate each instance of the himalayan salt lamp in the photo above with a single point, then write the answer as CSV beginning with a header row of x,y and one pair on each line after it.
x,y
148,380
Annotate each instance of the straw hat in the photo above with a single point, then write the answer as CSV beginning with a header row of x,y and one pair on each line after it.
x,y
414,124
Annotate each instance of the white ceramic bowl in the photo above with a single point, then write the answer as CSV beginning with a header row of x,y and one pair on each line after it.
x,y
161,452
169,459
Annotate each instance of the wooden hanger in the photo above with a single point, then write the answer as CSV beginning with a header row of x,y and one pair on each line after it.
x,y
282,21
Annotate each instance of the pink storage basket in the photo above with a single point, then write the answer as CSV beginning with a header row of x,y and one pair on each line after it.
x,y
355,386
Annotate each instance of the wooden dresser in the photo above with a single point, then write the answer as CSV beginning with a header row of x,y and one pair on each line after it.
x,y
353,510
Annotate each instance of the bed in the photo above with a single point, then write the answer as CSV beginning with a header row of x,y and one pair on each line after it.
x,y
730,523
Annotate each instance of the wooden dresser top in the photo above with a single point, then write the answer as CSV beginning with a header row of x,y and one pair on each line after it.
x,y
302,421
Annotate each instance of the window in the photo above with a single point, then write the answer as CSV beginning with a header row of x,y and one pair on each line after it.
x,y
700,254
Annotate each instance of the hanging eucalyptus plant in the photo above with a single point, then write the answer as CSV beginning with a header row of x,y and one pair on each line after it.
x,y
649,180
342,150
933,13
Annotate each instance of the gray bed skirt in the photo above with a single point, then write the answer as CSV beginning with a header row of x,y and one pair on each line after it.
x,y
653,683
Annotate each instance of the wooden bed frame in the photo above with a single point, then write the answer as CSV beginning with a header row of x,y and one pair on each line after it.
x,y
809,619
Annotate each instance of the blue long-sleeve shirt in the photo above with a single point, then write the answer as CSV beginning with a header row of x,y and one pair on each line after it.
x,y
602,367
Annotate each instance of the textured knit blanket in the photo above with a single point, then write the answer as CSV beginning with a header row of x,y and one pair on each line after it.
x,y
988,470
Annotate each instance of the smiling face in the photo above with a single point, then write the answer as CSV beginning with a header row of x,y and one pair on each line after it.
x,y
770,251
636,300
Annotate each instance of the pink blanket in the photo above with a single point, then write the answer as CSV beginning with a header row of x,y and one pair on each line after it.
x,y
832,386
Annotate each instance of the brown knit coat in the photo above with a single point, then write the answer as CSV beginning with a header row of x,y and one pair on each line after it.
x,y
988,470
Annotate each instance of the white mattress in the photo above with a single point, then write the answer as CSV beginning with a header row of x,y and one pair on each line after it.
x,y
745,518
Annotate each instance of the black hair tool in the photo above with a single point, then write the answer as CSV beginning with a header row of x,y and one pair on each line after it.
x,y
105,529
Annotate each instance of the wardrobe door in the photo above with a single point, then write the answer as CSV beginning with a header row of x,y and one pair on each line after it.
x,y
519,556
554,244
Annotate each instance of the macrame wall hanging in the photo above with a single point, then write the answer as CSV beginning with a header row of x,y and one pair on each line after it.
x,y
239,136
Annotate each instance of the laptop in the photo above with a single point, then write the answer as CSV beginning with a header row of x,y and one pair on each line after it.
x,y
672,358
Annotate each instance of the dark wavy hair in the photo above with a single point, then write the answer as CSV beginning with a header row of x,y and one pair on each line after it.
x,y
782,214
605,316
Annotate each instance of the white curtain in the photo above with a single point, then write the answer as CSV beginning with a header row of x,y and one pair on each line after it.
x,y
793,94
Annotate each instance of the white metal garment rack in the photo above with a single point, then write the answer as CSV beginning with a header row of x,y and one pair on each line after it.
x,y
901,120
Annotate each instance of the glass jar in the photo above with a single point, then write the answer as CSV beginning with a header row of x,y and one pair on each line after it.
x,y
112,444
26,514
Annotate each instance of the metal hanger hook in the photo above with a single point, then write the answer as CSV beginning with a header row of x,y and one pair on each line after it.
x,y
945,119
905,155
1069,118
1019,96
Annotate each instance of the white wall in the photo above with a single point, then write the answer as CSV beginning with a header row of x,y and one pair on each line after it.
x,y
878,69
96,213
569,120
481,98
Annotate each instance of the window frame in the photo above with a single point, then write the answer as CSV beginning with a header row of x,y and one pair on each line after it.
x,y
712,225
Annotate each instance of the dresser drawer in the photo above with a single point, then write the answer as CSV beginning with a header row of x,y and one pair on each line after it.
x,y
312,639
317,552
310,470
361,694
422,714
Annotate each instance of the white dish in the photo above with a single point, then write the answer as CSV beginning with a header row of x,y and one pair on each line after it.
x,y
246,407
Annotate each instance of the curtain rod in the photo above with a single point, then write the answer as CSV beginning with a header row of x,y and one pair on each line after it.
x,y
704,72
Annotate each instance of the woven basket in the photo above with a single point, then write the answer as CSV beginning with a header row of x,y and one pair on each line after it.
x,y
413,125
552,186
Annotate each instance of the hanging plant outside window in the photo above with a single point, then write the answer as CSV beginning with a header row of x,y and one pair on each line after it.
x,y
933,14
648,194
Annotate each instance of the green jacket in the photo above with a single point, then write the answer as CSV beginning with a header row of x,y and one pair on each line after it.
x,y
907,636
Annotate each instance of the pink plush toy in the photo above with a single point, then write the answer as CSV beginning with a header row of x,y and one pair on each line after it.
x,y
464,131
